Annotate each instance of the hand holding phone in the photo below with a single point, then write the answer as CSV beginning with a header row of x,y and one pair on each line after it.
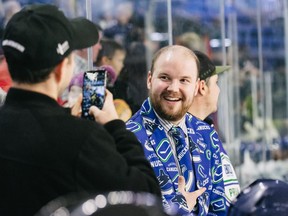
x,y
108,113
94,86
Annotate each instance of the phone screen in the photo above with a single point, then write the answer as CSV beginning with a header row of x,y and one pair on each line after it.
x,y
94,85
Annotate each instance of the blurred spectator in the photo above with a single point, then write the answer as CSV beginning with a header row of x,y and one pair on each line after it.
x,y
111,57
9,9
113,54
26,2
131,83
127,28
107,18
68,7
111,75
74,89
192,41
120,31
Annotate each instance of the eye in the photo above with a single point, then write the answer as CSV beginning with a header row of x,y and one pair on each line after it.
x,y
184,81
164,77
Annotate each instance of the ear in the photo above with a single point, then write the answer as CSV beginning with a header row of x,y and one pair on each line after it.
x,y
60,70
105,60
149,80
202,87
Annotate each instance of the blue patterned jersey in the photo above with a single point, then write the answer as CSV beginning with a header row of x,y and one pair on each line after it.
x,y
208,159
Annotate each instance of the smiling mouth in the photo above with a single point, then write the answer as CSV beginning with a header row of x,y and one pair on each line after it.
x,y
172,99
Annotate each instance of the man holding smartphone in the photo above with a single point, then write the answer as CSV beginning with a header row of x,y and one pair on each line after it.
x,y
45,152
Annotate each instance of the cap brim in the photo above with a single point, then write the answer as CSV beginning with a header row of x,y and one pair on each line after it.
x,y
86,33
221,69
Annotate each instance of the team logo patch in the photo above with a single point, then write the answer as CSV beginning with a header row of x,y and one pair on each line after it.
x,y
163,150
133,126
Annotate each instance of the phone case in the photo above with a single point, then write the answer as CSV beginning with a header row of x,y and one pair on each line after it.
x,y
94,85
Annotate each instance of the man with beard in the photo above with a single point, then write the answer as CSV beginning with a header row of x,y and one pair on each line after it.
x,y
176,159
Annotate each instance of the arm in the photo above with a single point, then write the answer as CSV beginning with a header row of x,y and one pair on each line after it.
x,y
114,161
130,148
115,154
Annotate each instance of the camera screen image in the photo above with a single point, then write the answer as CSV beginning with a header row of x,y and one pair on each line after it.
x,y
94,85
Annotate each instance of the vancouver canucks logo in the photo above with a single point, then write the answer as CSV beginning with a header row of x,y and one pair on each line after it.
x,y
163,179
146,107
149,125
214,141
180,200
193,146
165,183
176,134
148,146
133,126
218,205
217,174
203,201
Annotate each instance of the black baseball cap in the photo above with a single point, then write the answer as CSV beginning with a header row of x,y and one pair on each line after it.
x,y
207,68
40,36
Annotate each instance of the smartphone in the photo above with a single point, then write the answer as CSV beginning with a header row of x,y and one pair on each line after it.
x,y
94,85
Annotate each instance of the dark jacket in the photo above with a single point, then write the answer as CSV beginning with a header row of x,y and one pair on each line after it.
x,y
45,153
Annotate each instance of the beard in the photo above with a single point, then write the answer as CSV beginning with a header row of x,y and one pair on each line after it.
x,y
167,113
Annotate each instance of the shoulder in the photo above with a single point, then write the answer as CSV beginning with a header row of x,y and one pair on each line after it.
x,y
135,123
197,124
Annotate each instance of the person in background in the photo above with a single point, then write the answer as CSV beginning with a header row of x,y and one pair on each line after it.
x,y
123,29
45,152
131,83
75,88
10,7
163,127
192,41
112,54
225,185
111,57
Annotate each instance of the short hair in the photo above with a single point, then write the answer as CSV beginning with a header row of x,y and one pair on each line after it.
x,y
31,76
173,47
109,47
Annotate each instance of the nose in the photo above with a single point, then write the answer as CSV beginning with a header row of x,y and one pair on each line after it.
x,y
173,86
